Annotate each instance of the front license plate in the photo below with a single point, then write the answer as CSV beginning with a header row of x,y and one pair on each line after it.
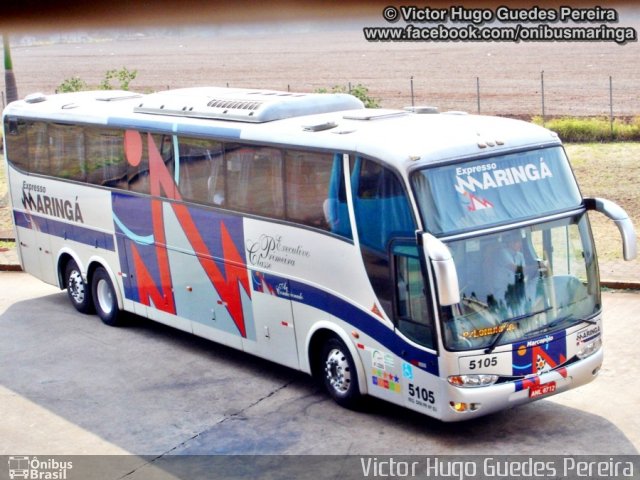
x,y
544,389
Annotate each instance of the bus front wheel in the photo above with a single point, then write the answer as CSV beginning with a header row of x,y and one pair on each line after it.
x,y
77,289
104,298
339,373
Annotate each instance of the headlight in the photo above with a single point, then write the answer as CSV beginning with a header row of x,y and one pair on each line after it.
x,y
589,348
481,380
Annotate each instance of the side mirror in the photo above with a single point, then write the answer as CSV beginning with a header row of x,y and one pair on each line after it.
x,y
622,221
444,269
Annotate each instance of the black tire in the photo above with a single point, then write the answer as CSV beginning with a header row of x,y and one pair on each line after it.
x,y
78,290
339,374
104,298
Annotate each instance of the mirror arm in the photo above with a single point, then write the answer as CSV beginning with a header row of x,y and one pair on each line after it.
x,y
621,220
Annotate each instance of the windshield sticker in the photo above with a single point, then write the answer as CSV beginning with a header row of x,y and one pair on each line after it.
x,y
488,176
476,203
490,191
485,332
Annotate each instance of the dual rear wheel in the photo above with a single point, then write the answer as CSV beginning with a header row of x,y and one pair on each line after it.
x,y
97,296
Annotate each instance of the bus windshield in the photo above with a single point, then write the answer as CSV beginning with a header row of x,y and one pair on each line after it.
x,y
522,283
495,190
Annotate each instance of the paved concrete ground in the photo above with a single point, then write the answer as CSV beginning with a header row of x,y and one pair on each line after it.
x,y
71,385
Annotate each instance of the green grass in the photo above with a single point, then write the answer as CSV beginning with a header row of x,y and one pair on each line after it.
x,y
612,171
598,129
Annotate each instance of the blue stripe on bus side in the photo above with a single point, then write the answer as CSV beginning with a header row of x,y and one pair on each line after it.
x,y
68,231
363,321
367,323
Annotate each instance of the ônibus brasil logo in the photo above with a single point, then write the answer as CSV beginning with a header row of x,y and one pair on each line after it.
x,y
34,469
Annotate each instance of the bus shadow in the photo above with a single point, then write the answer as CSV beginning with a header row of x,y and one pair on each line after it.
x,y
150,389
539,428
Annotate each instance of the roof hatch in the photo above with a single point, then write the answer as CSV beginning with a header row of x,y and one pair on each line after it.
x,y
244,105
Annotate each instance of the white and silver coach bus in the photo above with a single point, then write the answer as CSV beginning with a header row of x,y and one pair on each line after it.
x,y
443,262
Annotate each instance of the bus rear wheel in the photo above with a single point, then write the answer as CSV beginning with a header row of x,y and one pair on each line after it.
x,y
77,289
104,298
339,373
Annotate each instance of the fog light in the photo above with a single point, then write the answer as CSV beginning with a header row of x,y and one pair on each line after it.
x,y
589,348
472,380
464,407
458,406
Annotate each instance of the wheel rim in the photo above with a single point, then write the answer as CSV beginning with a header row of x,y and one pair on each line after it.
x,y
337,371
104,296
76,287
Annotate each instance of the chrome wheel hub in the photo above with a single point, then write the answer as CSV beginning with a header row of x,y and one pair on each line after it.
x,y
337,371
76,287
105,298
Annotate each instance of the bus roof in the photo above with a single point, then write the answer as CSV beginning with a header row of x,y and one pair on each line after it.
x,y
337,122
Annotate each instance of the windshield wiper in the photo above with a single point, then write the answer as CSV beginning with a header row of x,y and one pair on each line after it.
x,y
506,324
557,322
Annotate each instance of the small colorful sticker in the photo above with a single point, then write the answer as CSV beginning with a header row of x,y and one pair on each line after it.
x,y
377,360
381,360
386,380
407,371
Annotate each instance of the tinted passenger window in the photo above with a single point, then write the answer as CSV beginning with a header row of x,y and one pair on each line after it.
x,y
254,180
201,171
16,141
66,151
381,205
104,155
138,173
414,318
382,213
307,183
38,144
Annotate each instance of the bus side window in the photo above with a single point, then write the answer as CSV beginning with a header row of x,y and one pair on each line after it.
x,y
255,180
139,175
16,139
413,317
307,177
315,191
382,213
66,151
336,209
38,145
381,205
104,157
201,166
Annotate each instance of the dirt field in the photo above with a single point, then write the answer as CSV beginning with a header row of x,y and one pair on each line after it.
x,y
305,57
